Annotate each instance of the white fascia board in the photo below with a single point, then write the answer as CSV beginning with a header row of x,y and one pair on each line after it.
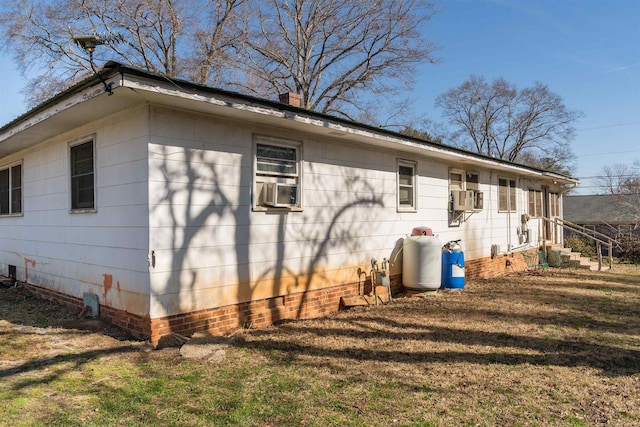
x,y
50,119
153,87
324,125
432,150
33,128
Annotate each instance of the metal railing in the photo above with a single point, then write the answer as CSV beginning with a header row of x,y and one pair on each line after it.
x,y
599,238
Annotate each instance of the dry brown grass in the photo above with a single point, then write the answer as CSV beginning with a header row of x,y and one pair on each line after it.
x,y
529,348
553,348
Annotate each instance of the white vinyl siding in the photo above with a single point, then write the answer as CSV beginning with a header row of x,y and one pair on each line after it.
x,y
104,253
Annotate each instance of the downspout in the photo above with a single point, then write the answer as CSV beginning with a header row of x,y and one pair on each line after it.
x,y
490,208
508,213
508,224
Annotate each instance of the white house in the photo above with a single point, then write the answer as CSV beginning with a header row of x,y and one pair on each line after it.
x,y
181,207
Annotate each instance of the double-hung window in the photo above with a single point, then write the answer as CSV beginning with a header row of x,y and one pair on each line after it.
x,y
407,190
506,195
11,190
464,190
277,174
554,205
535,203
456,180
82,177
460,180
472,181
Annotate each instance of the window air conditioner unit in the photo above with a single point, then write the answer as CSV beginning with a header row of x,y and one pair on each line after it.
x,y
477,200
463,200
280,195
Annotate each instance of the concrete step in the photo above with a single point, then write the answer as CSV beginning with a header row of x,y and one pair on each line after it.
x,y
574,259
593,266
584,263
570,256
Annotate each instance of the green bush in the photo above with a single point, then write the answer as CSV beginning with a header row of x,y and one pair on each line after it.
x,y
585,246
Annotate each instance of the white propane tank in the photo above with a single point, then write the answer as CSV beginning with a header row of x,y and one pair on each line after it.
x,y
422,263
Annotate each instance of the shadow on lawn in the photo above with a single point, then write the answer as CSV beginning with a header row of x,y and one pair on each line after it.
x,y
74,361
630,279
577,312
20,307
612,361
578,320
559,306
614,306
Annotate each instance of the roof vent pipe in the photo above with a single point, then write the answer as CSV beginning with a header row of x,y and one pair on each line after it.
x,y
290,98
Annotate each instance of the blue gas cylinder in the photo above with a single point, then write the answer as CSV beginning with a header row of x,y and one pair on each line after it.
x,y
452,270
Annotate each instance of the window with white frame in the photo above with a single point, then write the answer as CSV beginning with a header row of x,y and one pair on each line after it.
x,y
472,181
82,162
463,180
535,203
506,195
554,205
407,189
11,189
277,173
464,187
456,180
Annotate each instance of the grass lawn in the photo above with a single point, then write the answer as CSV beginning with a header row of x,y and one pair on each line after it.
x,y
531,349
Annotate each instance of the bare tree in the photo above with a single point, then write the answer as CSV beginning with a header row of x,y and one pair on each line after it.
x,y
556,158
39,36
498,119
620,178
426,129
622,181
332,52
215,37
176,38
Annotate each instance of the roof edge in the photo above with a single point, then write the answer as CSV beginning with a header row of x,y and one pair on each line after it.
x,y
112,68
108,71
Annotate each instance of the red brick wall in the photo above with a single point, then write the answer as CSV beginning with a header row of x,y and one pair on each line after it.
x,y
257,314
262,313
485,268
138,326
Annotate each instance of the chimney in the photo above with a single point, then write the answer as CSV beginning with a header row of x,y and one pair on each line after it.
x,y
290,98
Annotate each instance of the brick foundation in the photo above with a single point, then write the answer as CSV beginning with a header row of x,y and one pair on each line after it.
x,y
136,325
262,313
486,268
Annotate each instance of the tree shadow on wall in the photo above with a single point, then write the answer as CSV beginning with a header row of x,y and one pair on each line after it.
x,y
191,219
322,230
307,238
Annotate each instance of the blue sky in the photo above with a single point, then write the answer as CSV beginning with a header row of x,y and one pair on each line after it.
x,y
586,51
